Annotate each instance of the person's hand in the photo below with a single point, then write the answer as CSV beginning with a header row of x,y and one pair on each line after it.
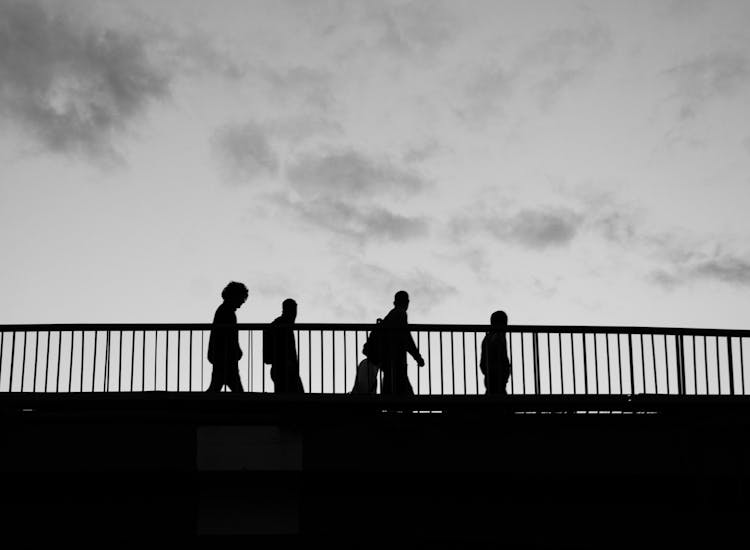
x,y
420,361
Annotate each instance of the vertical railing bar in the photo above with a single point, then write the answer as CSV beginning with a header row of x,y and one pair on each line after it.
x,y
23,359
179,349
70,368
418,367
630,357
156,348
453,368
705,362
119,362
695,368
619,363
190,360
143,360
549,364
609,365
83,349
585,366
523,367
429,362
93,374
666,363
510,352
202,364
107,360
322,384
132,358
46,362
535,357
463,350
643,363
345,381
683,377
13,360
653,363
442,374
596,366
59,351
250,360
356,354
718,365
476,362
731,365
742,366
36,360
2,343
333,361
562,374
166,361
573,364
309,360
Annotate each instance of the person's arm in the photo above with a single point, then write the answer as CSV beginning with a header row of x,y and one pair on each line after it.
x,y
483,358
409,344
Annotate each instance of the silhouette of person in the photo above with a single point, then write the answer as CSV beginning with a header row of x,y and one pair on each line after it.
x,y
283,351
396,343
494,362
224,350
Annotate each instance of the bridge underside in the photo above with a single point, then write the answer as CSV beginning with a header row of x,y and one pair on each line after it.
x,y
348,471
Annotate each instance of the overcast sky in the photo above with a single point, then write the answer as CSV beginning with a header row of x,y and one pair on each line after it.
x,y
570,162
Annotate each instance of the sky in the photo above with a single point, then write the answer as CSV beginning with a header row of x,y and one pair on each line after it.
x,y
570,162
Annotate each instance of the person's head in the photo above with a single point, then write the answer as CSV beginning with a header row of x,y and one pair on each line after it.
x,y
235,294
401,299
499,319
289,309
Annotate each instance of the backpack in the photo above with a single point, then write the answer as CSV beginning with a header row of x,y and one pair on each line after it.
x,y
373,345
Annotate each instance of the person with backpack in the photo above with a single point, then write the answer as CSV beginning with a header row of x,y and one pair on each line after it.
x,y
280,350
224,351
396,342
494,362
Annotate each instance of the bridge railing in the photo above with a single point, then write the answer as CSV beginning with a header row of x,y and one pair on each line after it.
x,y
546,360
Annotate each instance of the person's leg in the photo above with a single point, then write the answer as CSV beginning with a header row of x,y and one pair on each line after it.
x,y
217,379
233,379
278,379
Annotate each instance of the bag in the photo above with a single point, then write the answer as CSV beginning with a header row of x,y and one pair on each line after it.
x,y
373,345
366,381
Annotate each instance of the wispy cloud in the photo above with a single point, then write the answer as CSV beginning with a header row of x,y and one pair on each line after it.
x,y
703,78
350,173
245,151
364,224
74,89
424,289
723,267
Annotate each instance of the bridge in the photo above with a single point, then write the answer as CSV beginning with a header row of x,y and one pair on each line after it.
x,y
609,436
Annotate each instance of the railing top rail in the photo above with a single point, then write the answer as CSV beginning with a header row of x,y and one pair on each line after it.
x,y
578,329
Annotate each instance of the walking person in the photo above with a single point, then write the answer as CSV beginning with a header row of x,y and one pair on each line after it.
x,y
494,362
280,350
224,351
396,343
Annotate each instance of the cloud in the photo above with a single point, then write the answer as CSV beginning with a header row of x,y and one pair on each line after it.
x,y
728,269
424,289
706,77
369,223
350,173
245,151
562,57
531,228
73,89
313,86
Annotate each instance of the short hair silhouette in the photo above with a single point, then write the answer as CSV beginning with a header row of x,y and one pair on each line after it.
x,y
234,290
288,304
499,319
401,298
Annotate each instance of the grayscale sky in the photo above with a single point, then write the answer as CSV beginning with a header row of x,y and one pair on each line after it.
x,y
571,162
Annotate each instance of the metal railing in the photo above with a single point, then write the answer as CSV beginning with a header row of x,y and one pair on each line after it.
x,y
546,360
